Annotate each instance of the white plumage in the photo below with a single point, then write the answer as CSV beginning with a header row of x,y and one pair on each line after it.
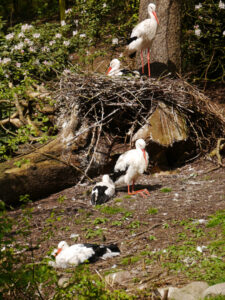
x,y
114,70
130,165
103,191
67,256
143,35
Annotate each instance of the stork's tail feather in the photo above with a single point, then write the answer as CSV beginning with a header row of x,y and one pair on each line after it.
x,y
117,174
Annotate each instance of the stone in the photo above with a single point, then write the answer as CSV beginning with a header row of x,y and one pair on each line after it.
x,y
214,290
63,282
121,277
191,291
165,126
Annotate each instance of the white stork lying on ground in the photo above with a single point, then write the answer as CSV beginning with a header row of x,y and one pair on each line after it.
x,y
69,256
103,191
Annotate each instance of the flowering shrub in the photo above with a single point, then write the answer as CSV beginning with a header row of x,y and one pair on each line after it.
x,y
203,39
33,53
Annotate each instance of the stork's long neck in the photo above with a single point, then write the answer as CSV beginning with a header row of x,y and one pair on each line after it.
x,y
144,154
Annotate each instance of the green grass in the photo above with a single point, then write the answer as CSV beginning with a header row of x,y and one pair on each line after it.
x,y
166,190
152,211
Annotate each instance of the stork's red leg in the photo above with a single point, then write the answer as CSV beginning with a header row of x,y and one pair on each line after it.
x,y
142,62
143,192
149,73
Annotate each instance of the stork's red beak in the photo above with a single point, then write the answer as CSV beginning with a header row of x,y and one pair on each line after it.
x,y
58,251
155,15
109,69
144,154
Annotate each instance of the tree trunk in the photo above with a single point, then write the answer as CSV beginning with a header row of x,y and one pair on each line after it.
x,y
45,170
165,52
62,7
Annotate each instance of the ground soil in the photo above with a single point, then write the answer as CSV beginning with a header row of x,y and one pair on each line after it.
x,y
196,190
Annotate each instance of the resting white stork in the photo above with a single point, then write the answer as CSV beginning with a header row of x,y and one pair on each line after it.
x,y
103,191
143,35
68,256
114,70
130,165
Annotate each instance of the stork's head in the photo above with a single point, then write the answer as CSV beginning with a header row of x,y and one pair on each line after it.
x,y
151,10
61,246
114,65
140,144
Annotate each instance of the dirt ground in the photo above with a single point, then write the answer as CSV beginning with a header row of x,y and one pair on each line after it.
x,y
136,224
193,191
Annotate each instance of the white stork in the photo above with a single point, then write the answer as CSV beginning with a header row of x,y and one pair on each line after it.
x,y
115,70
103,191
130,165
143,35
69,256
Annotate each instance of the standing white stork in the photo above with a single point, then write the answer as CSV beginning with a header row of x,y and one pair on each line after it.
x,y
68,256
130,165
143,35
114,70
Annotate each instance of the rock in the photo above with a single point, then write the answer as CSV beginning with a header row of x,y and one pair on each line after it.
x,y
119,277
63,282
165,126
214,290
191,291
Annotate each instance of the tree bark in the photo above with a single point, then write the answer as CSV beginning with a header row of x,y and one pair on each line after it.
x,y
165,51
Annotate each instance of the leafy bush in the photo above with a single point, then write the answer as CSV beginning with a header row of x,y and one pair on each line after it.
x,y
203,39
34,53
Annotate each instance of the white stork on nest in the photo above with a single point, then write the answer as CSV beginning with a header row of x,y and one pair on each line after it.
x,y
68,256
143,35
130,165
103,191
114,70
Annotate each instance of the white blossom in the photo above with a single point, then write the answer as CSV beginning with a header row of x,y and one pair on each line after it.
x,y
115,41
19,46
47,63
224,32
58,35
104,5
52,42
221,5
32,49
18,65
63,23
76,22
198,6
68,11
121,55
37,62
75,32
36,35
10,36
197,30
28,42
45,49
82,35
21,34
66,43
6,60
26,27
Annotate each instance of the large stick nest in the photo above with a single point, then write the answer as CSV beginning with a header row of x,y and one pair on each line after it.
x,y
120,106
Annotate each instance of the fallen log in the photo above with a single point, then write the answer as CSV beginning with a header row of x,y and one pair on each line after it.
x,y
99,118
